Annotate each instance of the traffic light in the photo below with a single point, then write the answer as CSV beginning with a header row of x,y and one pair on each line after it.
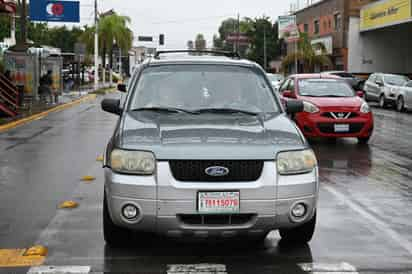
x,y
161,39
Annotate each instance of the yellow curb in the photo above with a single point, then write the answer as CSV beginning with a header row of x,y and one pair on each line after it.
x,y
68,204
21,258
88,178
43,114
37,250
100,158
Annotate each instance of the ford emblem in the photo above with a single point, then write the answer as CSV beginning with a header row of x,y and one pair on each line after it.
x,y
217,171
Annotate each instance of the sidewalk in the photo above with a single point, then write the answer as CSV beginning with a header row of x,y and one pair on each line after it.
x,y
39,107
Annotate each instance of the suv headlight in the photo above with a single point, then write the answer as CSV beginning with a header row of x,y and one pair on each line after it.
x,y
309,107
365,108
296,162
134,162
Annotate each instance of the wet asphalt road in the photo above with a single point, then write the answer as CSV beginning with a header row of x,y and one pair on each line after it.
x,y
364,217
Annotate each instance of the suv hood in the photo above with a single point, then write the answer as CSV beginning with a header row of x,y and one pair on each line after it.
x,y
209,136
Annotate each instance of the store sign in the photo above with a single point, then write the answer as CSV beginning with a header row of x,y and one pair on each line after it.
x,y
327,45
385,13
55,11
288,29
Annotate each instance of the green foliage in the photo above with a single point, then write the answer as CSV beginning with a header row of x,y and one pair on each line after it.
x,y
254,30
308,55
4,26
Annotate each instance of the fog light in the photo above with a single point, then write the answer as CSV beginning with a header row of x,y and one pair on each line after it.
x,y
130,212
299,210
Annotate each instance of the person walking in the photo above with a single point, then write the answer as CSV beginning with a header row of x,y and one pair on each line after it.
x,y
45,91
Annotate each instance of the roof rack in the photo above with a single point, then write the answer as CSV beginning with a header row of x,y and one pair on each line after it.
x,y
214,52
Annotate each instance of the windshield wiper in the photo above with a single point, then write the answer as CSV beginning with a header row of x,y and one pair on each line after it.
x,y
226,110
164,109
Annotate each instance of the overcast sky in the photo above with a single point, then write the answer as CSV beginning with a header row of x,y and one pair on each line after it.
x,y
181,20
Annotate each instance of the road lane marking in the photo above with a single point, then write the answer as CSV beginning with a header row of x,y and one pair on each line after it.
x,y
59,270
401,241
196,268
325,268
17,258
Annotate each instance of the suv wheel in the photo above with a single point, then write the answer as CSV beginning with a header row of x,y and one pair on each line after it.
x,y
301,234
113,235
382,101
400,104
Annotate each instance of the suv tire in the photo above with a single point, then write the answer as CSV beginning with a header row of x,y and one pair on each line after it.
x,y
301,234
113,235
382,101
363,140
400,104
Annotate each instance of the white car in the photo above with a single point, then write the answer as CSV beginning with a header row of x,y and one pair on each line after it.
x,y
404,97
275,80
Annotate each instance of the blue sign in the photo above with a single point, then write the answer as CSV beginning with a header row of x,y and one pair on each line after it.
x,y
55,11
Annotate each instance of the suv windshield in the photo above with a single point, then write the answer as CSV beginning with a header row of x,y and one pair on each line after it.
x,y
201,87
324,88
395,80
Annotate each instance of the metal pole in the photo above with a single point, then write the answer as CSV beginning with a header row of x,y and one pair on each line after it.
x,y
96,48
238,33
120,63
23,26
296,57
264,48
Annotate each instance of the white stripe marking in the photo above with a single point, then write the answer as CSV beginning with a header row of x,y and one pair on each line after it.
x,y
328,268
378,223
59,270
196,268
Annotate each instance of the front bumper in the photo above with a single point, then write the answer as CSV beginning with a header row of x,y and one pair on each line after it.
x,y
316,125
162,201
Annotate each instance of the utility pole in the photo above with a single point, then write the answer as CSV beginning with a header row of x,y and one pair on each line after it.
x,y
264,47
96,47
23,24
238,33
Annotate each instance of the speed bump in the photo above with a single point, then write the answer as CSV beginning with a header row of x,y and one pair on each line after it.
x,y
68,204
34,256
88,178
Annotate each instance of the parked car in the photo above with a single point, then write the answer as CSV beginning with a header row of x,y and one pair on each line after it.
x,y
331,107
204,148
383,88
275,79
355,82
404,97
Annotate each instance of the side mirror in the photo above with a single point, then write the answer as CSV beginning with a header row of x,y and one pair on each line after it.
x,y
111,106
288,94
360,94
294,106
121,87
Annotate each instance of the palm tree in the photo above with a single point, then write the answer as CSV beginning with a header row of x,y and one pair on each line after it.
x,y
113,29
309,55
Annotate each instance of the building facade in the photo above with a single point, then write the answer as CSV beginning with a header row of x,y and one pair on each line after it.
x,y
327,22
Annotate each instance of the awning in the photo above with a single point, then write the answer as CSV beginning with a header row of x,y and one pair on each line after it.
x,y
7,6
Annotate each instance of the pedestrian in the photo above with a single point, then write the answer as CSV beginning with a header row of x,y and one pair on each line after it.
x,y
7,74
45,91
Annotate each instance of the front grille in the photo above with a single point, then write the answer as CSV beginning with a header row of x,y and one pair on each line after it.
x,y
330,128
340,115
195,170
223,220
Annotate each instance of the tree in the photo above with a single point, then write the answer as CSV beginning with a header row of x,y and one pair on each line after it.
x,y
200,42
308,55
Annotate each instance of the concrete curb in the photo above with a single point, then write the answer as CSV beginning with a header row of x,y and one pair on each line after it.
x,y
40,115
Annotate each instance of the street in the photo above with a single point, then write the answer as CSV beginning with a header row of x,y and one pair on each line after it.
x,y
364,218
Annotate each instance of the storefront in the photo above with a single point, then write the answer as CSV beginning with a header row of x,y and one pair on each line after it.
x,y
380,40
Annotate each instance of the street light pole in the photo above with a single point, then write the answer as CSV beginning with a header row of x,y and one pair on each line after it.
x,y
264,48
96,48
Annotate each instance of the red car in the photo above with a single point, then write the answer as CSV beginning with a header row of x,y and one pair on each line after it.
x,y
332,108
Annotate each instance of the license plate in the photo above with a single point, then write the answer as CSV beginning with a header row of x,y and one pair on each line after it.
x,y
341,128
218,202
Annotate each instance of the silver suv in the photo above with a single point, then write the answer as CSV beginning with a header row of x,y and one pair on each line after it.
x,y
384,88
203,148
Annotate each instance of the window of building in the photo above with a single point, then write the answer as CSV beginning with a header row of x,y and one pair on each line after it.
x,y
338,21
306,28
316,27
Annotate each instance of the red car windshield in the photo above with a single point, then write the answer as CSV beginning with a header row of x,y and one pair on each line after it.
x,y
324,88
